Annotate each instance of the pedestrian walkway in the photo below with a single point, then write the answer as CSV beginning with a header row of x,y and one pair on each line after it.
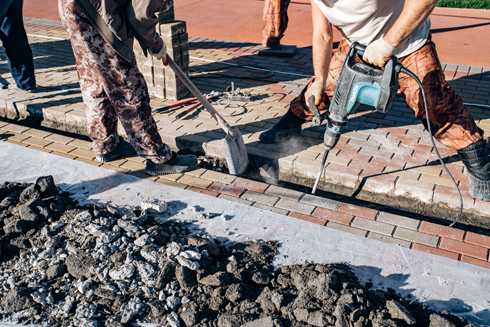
x,y
384,158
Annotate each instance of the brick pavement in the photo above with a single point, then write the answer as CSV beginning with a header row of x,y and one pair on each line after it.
x,y
380,154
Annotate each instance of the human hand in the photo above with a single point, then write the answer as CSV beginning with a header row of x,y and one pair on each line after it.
x,y
160,55
316,89
378,52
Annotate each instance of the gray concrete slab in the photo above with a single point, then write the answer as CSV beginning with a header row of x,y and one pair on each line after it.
x,y
438,282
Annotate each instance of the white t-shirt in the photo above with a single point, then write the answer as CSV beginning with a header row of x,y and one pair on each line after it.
x,y
365,21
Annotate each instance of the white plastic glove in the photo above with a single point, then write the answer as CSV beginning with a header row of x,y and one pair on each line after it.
x,y
160,55
378,52
316,89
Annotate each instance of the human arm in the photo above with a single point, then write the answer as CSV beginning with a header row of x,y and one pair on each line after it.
x,y
413,14
322,52
143,19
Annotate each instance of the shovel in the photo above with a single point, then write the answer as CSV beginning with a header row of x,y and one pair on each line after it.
x,y
233,145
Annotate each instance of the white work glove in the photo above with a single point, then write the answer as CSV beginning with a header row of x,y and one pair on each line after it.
x,y
160,55
316,89
378,52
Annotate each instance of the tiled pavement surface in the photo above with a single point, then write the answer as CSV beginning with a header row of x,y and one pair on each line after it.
x,y
384,153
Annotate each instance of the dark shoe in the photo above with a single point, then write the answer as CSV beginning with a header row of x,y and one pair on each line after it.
x,y
477,161
179,164
287,128
123,149
16,88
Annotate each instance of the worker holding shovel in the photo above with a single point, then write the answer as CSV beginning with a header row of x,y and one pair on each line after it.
x,y
387,28
102,34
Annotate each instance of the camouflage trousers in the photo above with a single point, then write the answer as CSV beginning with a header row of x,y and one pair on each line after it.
x,y
275,19
112,88
450,122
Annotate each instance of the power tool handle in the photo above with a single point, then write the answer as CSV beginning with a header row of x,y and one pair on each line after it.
x,y
317,120
359,48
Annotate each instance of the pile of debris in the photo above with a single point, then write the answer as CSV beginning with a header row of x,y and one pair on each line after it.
x,y
66,265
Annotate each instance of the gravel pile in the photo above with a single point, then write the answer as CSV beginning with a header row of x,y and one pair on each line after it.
x,y
66,265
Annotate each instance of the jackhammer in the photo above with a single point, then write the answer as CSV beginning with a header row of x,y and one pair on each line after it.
x,y
360,83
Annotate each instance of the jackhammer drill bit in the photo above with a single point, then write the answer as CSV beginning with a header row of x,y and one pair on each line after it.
x,y
320,172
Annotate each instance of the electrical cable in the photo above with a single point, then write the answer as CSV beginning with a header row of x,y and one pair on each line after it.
x,y
412,75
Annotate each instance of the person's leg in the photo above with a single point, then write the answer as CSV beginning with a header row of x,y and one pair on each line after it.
x,y
101,117
114,88
450,122
275,19
289,126
17,49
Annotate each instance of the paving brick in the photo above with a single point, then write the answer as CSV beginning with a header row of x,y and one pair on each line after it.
x,y
81,144
464,248
171,183
320,201
37,148
379,183
390,240
16,137
82,153
295,206
398,220
436,251
477,239
226,189
195,172
442,231
416,237
38,142
250,185
260,197
374,226
202,191
397,164
335,216
416,189
133,166
476,262
218,177
59,147
60,139
347,229
359,211
37,133
196,181
16,128
234,199
282,192
308,218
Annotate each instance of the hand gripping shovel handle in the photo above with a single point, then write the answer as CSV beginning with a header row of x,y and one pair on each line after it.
x,y
183,77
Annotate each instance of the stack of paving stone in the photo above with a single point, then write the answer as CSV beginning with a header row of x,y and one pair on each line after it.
x,y
162,81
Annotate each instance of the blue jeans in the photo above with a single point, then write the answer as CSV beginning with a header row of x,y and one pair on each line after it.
x,y
16,44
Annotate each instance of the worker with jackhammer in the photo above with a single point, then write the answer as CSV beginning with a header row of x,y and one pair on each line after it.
x,y
102,33
387,28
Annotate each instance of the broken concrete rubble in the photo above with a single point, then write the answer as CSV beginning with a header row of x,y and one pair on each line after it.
x,y
158,272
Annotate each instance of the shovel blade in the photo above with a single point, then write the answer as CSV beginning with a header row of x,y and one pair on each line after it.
x,y
235,152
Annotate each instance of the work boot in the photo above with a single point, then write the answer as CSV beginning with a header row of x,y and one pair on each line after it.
x,y
475,158
178,164
288,127
123,149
